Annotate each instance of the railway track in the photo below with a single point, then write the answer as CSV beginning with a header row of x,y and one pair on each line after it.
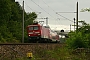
x,y
18,50
31,43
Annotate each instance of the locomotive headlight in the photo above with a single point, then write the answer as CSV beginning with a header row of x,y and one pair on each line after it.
x,y
30,32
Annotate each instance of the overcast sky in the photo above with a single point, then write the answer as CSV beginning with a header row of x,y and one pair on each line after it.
x,y
49,8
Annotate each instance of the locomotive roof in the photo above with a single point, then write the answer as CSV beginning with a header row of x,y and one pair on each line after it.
x,y
34,25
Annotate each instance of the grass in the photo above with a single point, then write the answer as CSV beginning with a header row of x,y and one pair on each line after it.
x,y
60,54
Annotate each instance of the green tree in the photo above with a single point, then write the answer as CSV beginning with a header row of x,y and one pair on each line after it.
x,y
29,18
85,9
11,21
80,39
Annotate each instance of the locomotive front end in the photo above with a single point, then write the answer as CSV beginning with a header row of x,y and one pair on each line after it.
x,y
34,33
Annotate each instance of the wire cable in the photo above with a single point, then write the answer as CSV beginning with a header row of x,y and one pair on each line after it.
x,y
52,10
65,17
28,6
49,6
41,8
56,13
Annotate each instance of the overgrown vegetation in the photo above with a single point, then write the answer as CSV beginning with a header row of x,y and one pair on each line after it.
x,y
11,21
80,38
58,54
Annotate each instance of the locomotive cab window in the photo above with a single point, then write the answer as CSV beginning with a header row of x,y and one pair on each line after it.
x,y
34,28
31,28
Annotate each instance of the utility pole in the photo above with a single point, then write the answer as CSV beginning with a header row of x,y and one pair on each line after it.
x,y
70,27
46,21
74,24
77,17
23,25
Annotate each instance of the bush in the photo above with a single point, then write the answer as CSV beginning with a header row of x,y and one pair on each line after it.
x,y
76,40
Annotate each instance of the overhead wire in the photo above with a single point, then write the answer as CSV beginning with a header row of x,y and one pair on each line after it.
x,y
32,11
64,17
46,11
28,6
41,8
58,21
50,8
57,13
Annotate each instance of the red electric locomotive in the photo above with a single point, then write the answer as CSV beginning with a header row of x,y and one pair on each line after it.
x,y
39,33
